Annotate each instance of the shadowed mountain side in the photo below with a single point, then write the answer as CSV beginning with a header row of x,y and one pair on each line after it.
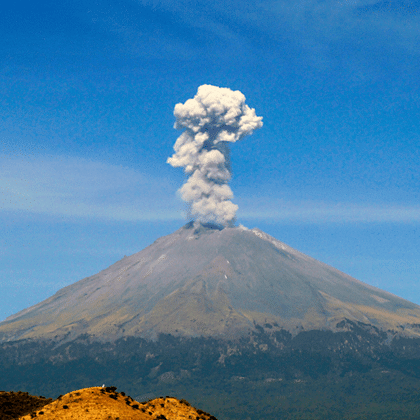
x,y
206,281
17,404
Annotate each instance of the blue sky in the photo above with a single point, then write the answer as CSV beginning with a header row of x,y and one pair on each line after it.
x,y
87,91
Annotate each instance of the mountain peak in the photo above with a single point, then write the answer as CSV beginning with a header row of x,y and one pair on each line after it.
x,y
205,280
199,228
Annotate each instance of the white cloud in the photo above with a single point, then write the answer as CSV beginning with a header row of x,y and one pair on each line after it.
x,y
356,35
77,187
321,212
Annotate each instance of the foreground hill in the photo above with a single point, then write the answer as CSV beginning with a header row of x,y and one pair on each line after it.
x,y
99,403
203,281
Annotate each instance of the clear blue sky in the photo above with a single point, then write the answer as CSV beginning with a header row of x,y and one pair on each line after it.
x,y
87,91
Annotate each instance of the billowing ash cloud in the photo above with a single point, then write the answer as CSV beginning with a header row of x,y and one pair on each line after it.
x,y
214,118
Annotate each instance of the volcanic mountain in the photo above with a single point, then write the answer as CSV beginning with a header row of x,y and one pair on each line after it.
x,y
210,282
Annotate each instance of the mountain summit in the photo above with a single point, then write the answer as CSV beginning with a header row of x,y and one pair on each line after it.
x,y
206,281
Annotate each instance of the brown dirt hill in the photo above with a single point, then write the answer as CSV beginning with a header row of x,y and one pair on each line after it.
x,y
16,404
99,403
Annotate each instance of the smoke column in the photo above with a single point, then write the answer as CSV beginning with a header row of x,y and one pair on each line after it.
x,y
214,118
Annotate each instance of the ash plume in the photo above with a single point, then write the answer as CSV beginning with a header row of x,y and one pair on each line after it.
x,y
212,119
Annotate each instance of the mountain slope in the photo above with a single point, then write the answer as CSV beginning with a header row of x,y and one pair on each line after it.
x,y
203,281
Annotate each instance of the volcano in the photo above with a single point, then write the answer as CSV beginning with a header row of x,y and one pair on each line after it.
x,y
205,281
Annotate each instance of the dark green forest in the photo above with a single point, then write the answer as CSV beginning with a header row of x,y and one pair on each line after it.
x,y
358,373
